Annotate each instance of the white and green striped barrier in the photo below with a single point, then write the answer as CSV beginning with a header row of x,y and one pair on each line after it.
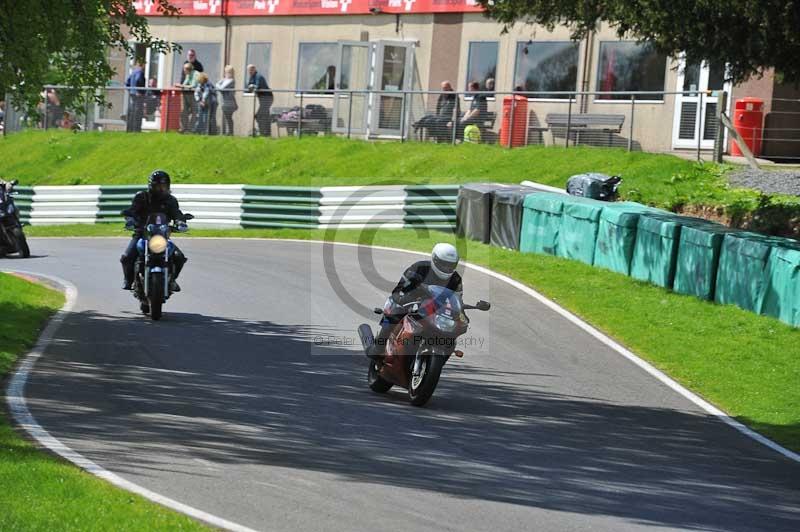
x,y
233,206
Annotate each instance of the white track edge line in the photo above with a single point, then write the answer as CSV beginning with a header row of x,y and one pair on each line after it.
x,y
22,416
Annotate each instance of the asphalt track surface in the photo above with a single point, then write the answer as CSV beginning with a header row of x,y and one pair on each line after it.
x,y
249,402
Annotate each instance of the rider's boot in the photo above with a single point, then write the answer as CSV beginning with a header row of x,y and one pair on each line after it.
x,y
127,272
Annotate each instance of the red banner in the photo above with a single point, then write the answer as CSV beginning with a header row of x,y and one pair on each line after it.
x,y
217,8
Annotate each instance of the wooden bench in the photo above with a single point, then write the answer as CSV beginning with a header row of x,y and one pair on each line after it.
x,y
579,122
486,127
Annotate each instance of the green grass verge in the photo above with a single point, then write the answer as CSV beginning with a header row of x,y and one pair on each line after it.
x,y
744,363
38,491
63,158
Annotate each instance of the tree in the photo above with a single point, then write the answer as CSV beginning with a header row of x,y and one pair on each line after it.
x,y
747,35
69,41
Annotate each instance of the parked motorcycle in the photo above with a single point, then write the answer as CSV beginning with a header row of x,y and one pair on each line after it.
x,y
152,269
12,237
420,344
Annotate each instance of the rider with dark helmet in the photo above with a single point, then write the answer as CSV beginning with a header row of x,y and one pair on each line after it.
x,y
440,270
156,199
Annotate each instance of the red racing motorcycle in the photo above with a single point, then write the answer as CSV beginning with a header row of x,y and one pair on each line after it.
x,y
420,344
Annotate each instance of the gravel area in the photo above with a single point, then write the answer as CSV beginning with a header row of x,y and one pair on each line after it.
x,y
769,181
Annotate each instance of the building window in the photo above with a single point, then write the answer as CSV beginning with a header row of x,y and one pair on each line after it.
x,y
316,68
209,55
482,64
545,66
258,54
630,66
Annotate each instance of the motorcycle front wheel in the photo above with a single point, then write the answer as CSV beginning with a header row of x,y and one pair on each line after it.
x,y
376,382
156,296
421,388
22,243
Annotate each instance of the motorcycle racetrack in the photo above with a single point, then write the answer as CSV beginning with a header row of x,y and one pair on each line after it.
x,y
249,401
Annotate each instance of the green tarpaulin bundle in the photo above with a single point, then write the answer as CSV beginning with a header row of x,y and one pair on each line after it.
x,y
616,235
507,206
541,222
577,236
698,259
782,294
742,274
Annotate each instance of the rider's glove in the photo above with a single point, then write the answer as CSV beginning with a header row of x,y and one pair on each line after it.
x,y
182,227
130,224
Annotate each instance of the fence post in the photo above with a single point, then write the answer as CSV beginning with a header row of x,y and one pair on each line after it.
x,y
455,120
511,121
630,134
403,119
719,137
255,97
569,123
300,117
349,114
44,118
700,127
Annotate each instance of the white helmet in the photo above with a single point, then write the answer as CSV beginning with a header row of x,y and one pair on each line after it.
x,y
444,260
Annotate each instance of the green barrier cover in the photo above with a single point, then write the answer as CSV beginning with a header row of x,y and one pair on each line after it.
x,y
655,255
698,259
616,235
577,236
782,297
541,220
742,273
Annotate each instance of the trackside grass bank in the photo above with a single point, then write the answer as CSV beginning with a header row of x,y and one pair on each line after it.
x,y
38,491
744,363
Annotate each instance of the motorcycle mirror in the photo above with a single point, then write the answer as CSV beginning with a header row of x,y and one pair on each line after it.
x,y
188,216
483,305
377,310
14,182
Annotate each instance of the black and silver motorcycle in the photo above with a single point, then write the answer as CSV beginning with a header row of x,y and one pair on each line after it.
x,y
153,266
12,237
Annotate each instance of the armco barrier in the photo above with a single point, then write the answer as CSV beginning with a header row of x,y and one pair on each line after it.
x,y
233,206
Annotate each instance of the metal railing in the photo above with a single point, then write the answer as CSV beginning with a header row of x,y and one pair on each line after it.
x,y
635,121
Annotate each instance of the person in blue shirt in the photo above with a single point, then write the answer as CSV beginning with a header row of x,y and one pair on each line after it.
x,y
133,123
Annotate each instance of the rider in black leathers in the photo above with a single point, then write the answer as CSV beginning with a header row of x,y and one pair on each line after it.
x,y
155,199
440,270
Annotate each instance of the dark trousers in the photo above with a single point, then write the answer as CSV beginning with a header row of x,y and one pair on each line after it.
x,y
129,256
263,119
227,120
188,111
133,122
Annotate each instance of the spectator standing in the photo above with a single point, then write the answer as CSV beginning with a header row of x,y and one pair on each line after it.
x,y
135,80
152,99
206,99
258,84
52,112
197,66
188,85
226,87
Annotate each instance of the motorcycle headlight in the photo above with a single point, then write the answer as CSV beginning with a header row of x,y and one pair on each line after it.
x,y
157,244
444,323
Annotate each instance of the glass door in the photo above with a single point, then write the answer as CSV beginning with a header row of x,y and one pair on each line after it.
x,y
394,71
696,107
355,72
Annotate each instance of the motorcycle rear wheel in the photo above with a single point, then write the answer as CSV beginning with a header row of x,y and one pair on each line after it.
x,y
377,383
156,301
420,392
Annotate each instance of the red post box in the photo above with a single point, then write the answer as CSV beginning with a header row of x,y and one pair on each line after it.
x,y
170,109
748,120
515,121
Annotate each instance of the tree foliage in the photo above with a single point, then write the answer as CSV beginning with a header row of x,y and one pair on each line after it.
x,y
747,35
68,41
